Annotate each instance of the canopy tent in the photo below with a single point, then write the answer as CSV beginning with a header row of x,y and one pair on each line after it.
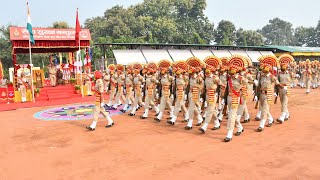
x,y
201,54
266,53
178,54
254,55
155,55
221,53
129,56
47,40
239,52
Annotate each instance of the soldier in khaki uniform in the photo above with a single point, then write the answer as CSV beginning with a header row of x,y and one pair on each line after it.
x,y
88,84
235,82
150,84
308,75
138,80
98,89
211,83
52,74
165,81
284,79
196,85
23,85
129,86
223,78
106,81
265,89
113,84
180,83
120,83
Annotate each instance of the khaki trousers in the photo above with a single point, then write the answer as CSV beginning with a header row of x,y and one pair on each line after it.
x,y
284,100
53,79
232,120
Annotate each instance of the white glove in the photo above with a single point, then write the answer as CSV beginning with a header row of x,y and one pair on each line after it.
x,y
297,76
102,104
255,82
256,98
253,93
222,102
275,94
285,88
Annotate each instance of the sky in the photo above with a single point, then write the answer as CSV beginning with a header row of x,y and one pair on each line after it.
x,y
248,14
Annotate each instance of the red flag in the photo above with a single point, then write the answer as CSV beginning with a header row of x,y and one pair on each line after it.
x,y
78,29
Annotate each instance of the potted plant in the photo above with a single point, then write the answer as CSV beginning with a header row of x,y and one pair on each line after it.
x,y
72,81
77,89
36,92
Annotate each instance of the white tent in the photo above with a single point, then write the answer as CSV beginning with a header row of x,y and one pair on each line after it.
x,y
129,56
155,55
254,55
201,54
266,52
221,53
178,55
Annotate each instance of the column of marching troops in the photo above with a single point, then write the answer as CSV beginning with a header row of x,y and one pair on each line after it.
x,y
203,91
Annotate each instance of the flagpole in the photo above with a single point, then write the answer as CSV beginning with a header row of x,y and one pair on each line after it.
x,y
80,62
31,65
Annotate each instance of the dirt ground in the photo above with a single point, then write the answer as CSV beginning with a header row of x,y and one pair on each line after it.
x,y
34,149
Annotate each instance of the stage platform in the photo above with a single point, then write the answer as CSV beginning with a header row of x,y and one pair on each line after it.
x,y
50,96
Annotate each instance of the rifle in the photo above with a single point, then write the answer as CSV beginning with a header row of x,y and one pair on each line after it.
x,y
257,93
144,90
277,90
159,88
204,94
225,97
174,91
187,91
218,92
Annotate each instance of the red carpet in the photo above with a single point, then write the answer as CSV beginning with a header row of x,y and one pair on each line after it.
x,y
50,96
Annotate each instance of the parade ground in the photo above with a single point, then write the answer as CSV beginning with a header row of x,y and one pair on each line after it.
x,y
35,146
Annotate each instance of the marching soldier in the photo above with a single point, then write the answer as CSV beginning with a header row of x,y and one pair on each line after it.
x,y
98,89
308,75
196,84
265,89
234,84
106,81
113,84
211,83
129,86
284,79
120,84
150,84
223,78
165,83
138,80
180,84
315,74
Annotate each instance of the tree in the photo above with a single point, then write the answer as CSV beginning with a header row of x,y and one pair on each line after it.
x,y
225,34
278,32
60,25
304,36
316,36
248,38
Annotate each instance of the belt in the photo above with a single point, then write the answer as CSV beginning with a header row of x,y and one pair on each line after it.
x,y
264,92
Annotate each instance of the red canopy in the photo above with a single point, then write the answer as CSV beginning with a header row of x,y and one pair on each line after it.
x,y
48,40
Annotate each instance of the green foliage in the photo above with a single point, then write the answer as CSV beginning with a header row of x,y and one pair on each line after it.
x,y
248,38
225,34
60,25
278,32
77,87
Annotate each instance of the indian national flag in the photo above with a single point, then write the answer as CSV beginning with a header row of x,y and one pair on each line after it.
x,y
29,25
